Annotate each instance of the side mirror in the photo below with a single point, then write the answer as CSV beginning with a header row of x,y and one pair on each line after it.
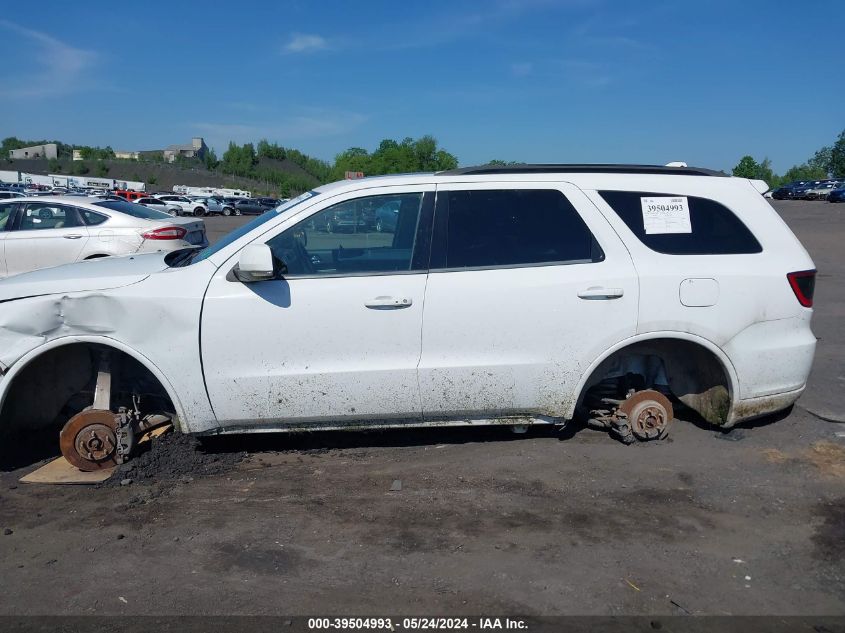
x,y
256,263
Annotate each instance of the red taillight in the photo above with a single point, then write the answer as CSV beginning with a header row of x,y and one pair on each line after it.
x,y
803,285
165,233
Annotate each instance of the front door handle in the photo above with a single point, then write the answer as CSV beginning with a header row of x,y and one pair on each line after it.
x,y
389,303
596,292
72,236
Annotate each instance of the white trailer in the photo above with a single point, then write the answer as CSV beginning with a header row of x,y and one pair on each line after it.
x,y
185,190
10,176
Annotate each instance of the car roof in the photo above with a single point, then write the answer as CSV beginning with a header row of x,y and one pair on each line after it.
x,y
514,173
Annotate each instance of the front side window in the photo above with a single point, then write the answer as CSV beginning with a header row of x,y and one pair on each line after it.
x,y
514,227
713,229
353,237
39,216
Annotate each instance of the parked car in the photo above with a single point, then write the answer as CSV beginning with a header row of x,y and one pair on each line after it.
x,y
820,191
837,195
786,192
249,206
216,206
675,283
270,203
160,205
186,205
38,232
800,192
350,217
10,194
387,216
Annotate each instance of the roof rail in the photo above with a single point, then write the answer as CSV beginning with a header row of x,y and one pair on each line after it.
x,y
580,169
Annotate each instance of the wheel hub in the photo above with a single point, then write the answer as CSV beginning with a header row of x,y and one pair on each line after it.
x,y
89,440
649,413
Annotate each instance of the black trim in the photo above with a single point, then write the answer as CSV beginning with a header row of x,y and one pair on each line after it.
x,y
13,214
439,234
482,170
422,243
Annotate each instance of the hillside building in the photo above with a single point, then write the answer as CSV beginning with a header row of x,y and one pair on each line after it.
x,y
49,151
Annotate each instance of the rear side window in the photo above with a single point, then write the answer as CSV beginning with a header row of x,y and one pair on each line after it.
x,y
512,227
91,218
715,230
6,213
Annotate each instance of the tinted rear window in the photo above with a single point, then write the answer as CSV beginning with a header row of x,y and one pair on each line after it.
x,y
715,228
134,209
512,227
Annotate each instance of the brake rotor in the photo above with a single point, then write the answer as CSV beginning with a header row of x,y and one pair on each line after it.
x,y
89,440
649,413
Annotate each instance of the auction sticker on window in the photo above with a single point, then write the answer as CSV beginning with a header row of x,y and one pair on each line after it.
x,y
666,215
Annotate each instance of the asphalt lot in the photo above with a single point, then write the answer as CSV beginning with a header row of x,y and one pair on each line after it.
x,y
486,522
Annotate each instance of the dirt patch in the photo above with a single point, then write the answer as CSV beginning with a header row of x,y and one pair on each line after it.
x,y
828,457
175,456
775,456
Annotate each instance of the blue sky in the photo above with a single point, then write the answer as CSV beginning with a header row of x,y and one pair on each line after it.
x,y
527,80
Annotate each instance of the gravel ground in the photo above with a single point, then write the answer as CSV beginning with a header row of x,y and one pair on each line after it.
x,y
484,522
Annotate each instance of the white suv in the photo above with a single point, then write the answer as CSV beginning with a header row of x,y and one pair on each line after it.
x,y
515,295
188,207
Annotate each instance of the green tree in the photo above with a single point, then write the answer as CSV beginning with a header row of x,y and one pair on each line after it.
x,y
239,160
747,167
54,165
836,167
151,179
270,150
394,157
79,168
822,160
803,172
211,160
96,153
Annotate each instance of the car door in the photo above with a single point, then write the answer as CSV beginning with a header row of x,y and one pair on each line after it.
x,y
44,234
528,285
337,337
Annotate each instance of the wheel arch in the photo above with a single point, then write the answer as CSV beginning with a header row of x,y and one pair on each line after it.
x,y
706,409
27,360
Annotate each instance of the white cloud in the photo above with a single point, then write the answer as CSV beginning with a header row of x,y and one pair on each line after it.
x,y
61,66
304,43
312,124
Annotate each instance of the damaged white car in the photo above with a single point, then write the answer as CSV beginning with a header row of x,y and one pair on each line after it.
x,y
512,295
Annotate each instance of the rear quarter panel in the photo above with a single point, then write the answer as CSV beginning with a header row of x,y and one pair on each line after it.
x,y
752,288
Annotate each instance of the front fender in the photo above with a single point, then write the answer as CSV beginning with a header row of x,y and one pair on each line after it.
x,y
9,374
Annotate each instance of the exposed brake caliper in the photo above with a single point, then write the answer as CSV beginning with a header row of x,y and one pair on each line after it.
x,y
643,415
96,437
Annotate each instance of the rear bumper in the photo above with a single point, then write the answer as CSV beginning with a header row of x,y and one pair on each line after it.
x,y
772,358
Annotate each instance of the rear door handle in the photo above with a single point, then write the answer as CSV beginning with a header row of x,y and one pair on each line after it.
x,y
72,236
596,292
389,303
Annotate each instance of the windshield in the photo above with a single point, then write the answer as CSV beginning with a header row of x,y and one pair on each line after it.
x,y
133,209
246,228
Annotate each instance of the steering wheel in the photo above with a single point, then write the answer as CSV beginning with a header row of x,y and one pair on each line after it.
x,y
291,251
45,214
